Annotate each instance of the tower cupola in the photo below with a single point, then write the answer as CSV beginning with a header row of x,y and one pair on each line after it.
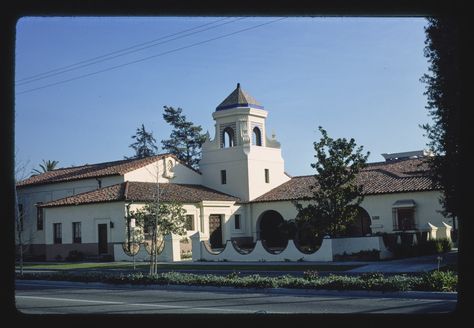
x,y
239,98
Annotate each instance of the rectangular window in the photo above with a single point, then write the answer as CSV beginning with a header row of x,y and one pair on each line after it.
x,y
267,176
237,221
39,216
57,234
406,219
223,177
76,232
20,217
189,222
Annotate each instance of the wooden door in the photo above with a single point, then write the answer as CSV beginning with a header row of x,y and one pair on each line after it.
x,y
215,230
103,244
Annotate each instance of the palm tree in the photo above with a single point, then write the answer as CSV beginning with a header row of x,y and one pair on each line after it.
x,y
45,167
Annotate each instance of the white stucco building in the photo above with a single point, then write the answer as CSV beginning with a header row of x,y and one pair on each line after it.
x,y
240,193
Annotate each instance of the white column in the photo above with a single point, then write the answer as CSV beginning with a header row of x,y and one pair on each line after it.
x,y
432,231
444,231
415,239
172,250
196,244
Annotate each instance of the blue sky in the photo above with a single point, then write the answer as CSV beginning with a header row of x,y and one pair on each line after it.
x,y
356,77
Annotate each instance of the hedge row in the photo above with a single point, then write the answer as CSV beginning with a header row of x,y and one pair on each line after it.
x,y
432,281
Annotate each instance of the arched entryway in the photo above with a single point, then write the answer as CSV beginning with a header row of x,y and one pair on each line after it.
x,y
269,229
361,224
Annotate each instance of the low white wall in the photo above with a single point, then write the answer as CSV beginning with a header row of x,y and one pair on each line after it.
x,y
120,255
259,253
171,251
325,253
356,244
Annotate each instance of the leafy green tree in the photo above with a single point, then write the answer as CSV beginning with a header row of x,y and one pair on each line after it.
x,y
145,144
159,219
186,138
336,195
443,86
45,167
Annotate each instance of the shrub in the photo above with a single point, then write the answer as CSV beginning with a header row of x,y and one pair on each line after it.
x,y
310,274
446,244
75,256
373,254
233,275
364,255
445,281
428,247
371,275
433,281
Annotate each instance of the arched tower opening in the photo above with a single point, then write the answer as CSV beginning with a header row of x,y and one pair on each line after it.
x,y
228,137
256,137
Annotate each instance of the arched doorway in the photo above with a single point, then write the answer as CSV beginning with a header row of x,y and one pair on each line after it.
x,y
215,230
270,233
361,224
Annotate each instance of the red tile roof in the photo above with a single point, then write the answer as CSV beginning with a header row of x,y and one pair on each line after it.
x,y
90,171
377,178
144,192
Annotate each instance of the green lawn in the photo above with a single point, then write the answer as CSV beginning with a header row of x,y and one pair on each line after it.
x,y
210,266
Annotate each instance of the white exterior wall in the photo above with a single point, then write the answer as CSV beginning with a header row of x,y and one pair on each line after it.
x,y
285,208
29,196
193,209
147,173
234,162
178,174
201,212
223,208
259,159
427,209
90,216
183,174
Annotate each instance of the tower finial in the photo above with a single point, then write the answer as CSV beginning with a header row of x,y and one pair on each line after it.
x,y
238,85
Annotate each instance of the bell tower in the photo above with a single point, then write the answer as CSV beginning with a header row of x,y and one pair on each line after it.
x,y
241,160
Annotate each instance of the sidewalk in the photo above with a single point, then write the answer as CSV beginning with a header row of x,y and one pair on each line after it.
x,y
410,265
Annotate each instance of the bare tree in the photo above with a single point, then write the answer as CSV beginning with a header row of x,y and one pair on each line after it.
x,y
134,236
20,212
159,219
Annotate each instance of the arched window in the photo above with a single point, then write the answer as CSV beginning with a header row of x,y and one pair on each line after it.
x,y
256,137
228,138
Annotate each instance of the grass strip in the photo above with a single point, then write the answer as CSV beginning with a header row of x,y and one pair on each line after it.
x,y
238,267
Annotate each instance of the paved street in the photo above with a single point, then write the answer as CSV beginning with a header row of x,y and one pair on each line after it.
x,y
49,297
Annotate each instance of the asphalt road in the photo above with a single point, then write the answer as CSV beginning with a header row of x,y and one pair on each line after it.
x,y
51,297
